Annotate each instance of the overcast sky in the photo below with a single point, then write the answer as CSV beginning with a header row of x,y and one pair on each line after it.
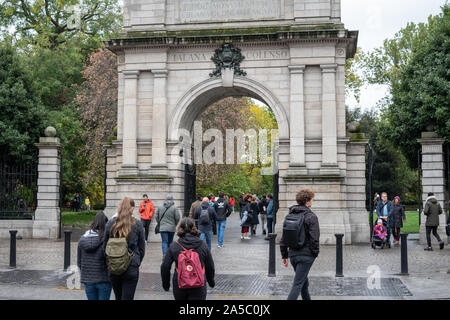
x,y
377,20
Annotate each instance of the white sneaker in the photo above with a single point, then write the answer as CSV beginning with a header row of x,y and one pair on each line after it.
x,y
219,246
248,238
242,237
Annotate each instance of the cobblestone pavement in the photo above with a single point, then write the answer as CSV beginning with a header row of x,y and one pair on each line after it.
x,y
428,270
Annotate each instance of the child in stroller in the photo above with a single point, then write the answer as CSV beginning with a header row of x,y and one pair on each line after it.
x,y
379,234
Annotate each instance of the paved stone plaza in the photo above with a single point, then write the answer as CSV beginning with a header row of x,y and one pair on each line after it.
x,y
241,271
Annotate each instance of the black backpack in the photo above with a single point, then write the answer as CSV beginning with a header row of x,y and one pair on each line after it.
x,y
294,234
204,216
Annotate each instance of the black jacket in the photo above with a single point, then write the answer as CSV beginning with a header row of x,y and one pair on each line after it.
x,y
91,259
223,209
263,206
136,241
189,242
397,217
311,223
254,207
212,217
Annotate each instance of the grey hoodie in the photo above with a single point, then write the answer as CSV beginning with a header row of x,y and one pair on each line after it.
x,y
170,218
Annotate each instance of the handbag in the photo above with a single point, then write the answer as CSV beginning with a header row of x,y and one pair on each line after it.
x,y
157,225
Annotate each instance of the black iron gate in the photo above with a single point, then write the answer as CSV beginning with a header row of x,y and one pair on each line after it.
x,y
18,189
190,177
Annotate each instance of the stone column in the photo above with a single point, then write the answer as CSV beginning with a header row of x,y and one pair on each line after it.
x,y
329,131
47,215
159,125
297,122
432,180
129,146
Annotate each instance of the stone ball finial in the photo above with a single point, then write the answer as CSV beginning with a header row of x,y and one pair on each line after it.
x,y
353,127
50,132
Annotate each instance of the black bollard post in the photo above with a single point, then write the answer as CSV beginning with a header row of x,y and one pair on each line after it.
x,y
67,234
339,258
404,254
12,249
272,266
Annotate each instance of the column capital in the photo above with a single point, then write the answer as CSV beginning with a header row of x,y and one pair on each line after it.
x,y
329,67
160,73
130,74
299,68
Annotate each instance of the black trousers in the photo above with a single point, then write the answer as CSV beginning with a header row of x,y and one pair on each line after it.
x,y
146,224
188,294
428,233
301,265
124,285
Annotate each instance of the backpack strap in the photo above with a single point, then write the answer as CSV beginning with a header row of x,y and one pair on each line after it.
x,y
181,246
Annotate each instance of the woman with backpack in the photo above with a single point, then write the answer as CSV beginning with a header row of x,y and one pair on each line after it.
x,y
91,261
194,265
124,247
247,217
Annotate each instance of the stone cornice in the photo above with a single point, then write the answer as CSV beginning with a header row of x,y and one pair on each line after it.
x,y
200,38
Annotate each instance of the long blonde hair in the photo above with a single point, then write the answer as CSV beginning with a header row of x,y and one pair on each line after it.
x,y
125,220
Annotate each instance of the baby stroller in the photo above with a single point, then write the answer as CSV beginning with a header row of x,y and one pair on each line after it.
x,y
376,240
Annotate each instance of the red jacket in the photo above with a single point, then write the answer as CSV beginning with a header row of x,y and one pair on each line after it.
x,y
148,211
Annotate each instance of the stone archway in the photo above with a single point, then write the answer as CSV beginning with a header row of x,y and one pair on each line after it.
x,y
287,54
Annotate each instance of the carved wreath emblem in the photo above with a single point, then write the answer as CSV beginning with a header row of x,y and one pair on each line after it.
x,y
227,56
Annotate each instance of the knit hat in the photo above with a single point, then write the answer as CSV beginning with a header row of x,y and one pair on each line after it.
x,y
169,197
397,197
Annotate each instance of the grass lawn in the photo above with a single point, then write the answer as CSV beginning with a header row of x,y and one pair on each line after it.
x,y
412,222
80,219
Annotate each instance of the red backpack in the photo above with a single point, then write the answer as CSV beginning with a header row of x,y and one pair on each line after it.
x,y
190,271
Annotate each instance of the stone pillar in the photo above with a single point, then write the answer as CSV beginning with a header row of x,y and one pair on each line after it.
x,y
329,131
433,180
159,125
47,215
297,164
129,146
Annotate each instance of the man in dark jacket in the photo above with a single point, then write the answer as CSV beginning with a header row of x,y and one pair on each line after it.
x,y
302,258
384,211
223,211
204,217
432,210
263,213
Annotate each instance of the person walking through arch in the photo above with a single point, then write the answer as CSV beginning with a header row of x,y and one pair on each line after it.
x,y
223,211
398,217
263,213
384,212
146,209
91,260
167,216
242,203
125,226
432,211
205,216
302,257
270,215
247,217
254,206
188,239
195,205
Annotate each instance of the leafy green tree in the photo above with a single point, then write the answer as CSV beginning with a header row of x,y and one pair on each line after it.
x,y
50,23
22,116
421,98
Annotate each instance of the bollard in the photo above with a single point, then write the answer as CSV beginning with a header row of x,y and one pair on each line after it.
x,y
339,262
404,253
67,234
272,267
12,249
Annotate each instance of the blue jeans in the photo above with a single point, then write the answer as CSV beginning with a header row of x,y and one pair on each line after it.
x,y
221,231
206,236
269,225
301,265
98,291
167,238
